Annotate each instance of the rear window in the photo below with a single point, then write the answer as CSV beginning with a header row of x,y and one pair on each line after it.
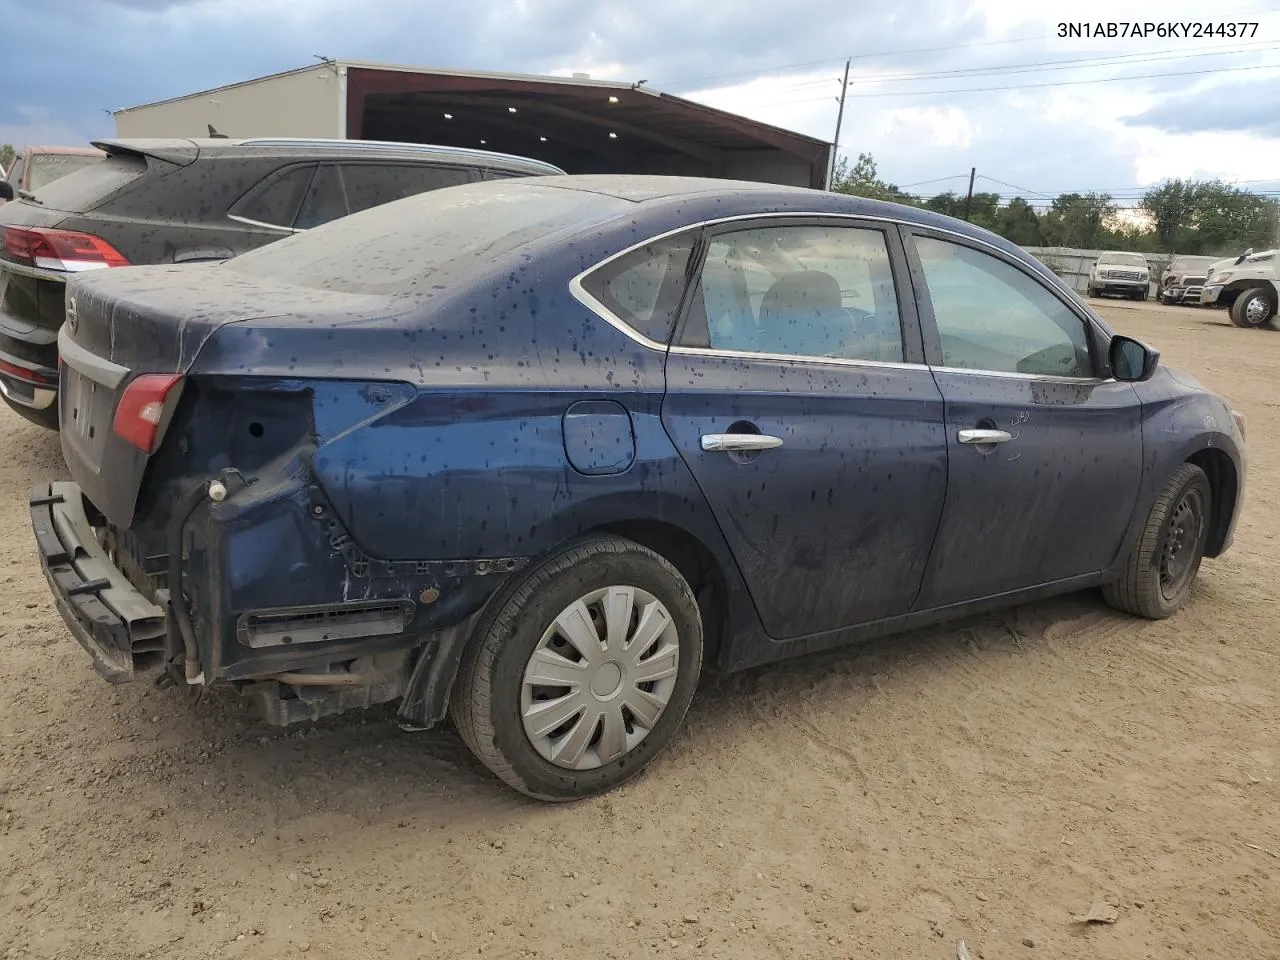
x,y
92,184
432,237
48,167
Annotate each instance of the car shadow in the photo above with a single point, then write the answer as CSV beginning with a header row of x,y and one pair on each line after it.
x,y
215,760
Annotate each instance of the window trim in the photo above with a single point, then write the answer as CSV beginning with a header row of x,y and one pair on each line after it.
x,y
908,322
899,264
929,322
275,174
902,229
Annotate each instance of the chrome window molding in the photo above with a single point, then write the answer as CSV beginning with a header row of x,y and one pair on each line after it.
x,y
258,223
1014,375
713,353
579,293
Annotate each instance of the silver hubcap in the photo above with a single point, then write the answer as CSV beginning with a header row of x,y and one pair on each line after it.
x,y
600,677
1257,310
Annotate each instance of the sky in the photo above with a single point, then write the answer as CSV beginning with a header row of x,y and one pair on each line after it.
x,y
937,86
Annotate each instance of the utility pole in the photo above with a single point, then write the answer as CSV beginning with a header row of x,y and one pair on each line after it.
x,y
968,199
835,146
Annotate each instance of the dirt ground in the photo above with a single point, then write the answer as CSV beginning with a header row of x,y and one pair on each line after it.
x,y
986,781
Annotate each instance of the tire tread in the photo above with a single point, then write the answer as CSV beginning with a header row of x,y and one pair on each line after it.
x,y
1136,590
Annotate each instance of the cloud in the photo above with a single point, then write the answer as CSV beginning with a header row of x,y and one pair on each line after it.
x,y
778,62
1234,107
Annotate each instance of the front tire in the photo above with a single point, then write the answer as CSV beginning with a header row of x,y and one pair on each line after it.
x,y
583,671
1158,574
1253,308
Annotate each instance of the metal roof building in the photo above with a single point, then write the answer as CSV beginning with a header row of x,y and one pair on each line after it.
x,y
579,124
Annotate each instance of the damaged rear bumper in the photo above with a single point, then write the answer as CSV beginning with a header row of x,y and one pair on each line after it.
x,y
123,631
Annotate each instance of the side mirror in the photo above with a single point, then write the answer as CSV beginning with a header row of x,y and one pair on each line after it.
x,y
6,190
1247,253
1132,361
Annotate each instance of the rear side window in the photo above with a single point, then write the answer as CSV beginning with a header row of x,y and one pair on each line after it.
x,y
92,185
275,200
325,200
373,184
643,288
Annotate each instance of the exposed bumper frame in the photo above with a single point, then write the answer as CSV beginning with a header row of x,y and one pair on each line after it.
x,y
121,629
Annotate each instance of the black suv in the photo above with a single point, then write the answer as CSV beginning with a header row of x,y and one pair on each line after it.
x,y
181,201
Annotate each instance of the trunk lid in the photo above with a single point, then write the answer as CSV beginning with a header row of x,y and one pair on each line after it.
x,y
125,323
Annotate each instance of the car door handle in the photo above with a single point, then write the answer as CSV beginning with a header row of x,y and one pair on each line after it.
x,y
984,436
729,442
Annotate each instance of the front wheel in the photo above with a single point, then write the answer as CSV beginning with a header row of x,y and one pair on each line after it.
x,y
584,671
1158,574
1253,308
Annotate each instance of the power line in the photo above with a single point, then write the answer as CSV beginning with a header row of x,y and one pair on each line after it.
x,y
856,56
1061,83
920,183
1044,66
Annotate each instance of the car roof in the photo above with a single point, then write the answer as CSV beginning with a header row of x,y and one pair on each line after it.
x,y
327,149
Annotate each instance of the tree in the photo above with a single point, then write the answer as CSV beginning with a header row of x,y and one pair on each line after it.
x,y
7,155
1209,216
863,180
1078,220
1172,208
1019,223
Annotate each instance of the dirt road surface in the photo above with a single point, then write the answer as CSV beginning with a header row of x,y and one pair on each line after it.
x,y
984,781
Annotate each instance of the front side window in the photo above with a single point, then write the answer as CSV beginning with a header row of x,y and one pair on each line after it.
x,y
15,173
994,316
643,287
799,291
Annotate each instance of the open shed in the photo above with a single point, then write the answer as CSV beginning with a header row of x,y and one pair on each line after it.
x,y
580,124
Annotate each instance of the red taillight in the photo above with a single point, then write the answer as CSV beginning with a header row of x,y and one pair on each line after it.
x,y
27,376
60,249
142,407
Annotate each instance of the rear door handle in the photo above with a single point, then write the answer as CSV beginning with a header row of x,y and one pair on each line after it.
x,y
729,442
984,436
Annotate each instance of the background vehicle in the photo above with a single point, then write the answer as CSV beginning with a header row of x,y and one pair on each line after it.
x,y
37,167
183,201
1246,286
1183,279
553,445
1126,274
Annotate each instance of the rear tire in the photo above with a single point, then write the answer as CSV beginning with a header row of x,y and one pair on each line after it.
x,y
1159,572
569,619
1255,307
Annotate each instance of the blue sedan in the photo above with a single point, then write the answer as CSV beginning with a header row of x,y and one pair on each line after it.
x,y
538,453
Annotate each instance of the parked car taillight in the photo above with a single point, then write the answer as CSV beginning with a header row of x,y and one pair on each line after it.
x,y
142,409
60,249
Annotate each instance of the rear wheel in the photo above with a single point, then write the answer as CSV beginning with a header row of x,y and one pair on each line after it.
x,y
583,673
1158,574
1253,308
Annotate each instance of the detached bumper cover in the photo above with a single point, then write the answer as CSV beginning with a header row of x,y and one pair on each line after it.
x,y
119,627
